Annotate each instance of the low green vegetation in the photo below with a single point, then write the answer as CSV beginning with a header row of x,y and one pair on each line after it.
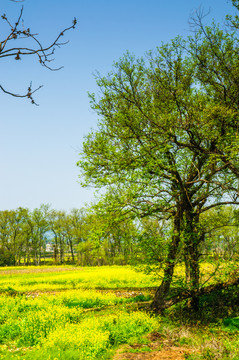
x,y
75,323
66,331
70,324
24,279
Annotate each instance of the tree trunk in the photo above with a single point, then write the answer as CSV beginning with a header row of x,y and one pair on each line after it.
x,y
192,239
163,290
72,250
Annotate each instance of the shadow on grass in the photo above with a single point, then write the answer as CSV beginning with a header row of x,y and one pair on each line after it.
x,y
213,308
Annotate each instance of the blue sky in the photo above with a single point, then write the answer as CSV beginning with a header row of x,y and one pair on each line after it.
x,y
39,145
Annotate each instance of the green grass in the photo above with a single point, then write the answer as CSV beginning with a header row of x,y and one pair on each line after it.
x,y
59,313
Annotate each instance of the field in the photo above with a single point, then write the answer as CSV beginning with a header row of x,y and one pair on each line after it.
x,y
92,313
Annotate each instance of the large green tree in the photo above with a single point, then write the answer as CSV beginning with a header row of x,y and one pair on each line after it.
x,y
153,151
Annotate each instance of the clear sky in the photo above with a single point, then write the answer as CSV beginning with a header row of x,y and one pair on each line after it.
x,y
39,145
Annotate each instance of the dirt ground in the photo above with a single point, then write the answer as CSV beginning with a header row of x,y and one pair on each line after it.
x,y
175,353
157,349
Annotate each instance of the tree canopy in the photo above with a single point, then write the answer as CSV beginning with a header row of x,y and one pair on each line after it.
x,y
167,139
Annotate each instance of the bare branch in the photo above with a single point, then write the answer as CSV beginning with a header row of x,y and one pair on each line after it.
x,y
44,53
196,18
27,95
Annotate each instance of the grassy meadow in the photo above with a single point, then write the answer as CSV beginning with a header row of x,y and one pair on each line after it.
x,y
88,313
27,279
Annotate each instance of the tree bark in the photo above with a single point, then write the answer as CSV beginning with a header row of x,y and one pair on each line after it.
x,y
163,290
71,249
191,253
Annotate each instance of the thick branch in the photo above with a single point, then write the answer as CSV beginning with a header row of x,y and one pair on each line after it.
x,y
197,293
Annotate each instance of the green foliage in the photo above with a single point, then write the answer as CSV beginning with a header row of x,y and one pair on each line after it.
x,y
7,258
166,146
233,323
220,228
55,237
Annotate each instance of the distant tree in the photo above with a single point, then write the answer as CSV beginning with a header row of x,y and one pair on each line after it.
x,y
152,244
6,258
13,232
24,234
105,242
26,43
38,227
76,224
221,228
56,221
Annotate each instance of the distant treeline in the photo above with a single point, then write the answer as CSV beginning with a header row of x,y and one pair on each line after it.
x,y
82,237
34,237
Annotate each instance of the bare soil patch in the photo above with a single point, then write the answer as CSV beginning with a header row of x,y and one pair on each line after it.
x,y
37,270
158,349
175,353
